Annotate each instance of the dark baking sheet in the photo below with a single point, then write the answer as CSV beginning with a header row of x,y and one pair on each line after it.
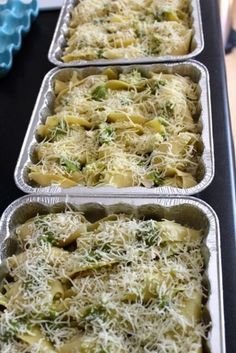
x,y
19,90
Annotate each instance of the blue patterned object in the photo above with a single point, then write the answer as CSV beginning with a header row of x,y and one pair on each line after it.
x,y
15,20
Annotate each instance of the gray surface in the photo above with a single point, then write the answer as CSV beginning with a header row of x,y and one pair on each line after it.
x,y
59,41
185,210
196,71
50,4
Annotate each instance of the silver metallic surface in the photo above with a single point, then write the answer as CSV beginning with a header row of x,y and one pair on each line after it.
x,y
186,210
59,41
44,107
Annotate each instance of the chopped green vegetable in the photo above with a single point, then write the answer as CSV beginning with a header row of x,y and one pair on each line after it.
x,y
148,233
28,284
160,83
106,248
163,302
169,107
12,329
106,135
96,253
69,166
156,178
44,227
48,237
155,45
100,53
157,85
53,314
59,131
95,312
94,256
39,221
99,93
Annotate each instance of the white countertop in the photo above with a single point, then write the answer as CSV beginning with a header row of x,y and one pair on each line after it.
x,y
50,4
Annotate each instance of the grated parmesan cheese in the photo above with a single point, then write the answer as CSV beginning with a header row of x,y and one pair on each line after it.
x,y
129,129
126,285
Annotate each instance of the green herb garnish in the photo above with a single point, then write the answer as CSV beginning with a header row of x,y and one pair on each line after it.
x,y
156,178
169,107
100,53
157,85
95,312
163,302
48,237
59,131
148,233
160,83
93,256
99,93
155,45
13,328
69,166
106,135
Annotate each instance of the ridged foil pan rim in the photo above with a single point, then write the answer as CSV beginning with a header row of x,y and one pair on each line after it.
x,y
207,137
216,339
63,22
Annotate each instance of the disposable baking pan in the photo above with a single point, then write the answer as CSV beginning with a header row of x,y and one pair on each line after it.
x,y
59,40
188,211
44,107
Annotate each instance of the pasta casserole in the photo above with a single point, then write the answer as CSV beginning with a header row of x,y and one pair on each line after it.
x,y
128,128
117,29
118,285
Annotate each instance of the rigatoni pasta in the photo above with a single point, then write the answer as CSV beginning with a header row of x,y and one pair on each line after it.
x,y
134,128
128,29
120,284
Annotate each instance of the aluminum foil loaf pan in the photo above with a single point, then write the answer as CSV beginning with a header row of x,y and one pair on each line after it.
x,y
187,211
44,108
59,40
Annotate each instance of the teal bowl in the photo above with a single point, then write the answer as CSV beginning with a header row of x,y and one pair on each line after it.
x,y
16,17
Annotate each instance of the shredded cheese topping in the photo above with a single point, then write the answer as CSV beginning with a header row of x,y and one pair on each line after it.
x,y
133,128
118,285
128,29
